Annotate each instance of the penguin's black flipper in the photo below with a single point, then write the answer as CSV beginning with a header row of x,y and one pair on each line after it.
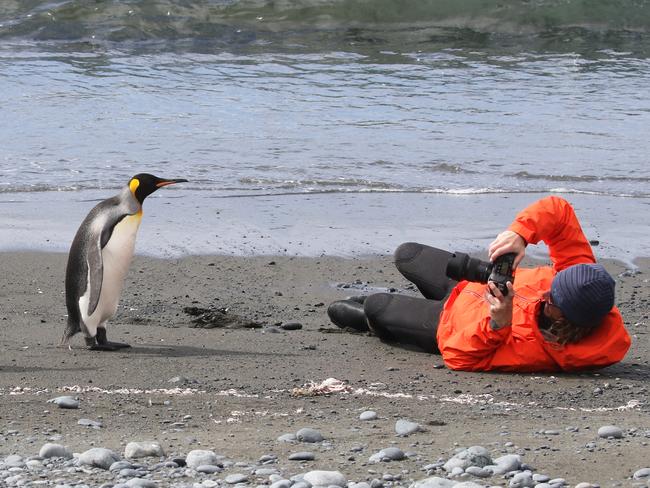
x,y
96,275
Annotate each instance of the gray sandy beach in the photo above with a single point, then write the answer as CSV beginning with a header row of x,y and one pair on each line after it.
x,y
235,390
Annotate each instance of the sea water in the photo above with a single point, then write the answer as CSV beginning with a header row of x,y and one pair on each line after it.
x,y
324,126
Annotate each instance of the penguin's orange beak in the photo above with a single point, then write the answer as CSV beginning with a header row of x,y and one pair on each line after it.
x,y
162,183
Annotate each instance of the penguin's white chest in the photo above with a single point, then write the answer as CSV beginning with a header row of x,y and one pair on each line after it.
x,y
116,259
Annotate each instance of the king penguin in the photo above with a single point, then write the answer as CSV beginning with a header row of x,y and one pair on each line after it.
x,y
99,259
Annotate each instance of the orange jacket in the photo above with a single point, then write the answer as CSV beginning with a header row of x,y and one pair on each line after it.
x,y
466,340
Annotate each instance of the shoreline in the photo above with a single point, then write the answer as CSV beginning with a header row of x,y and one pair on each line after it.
x,y
248,376
180,223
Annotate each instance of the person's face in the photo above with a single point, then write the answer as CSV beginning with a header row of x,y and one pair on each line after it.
x,y
551,311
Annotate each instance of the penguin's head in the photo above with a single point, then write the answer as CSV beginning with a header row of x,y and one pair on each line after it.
x,y
143,184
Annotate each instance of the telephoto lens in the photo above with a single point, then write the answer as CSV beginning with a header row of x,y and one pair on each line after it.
x,y
462,267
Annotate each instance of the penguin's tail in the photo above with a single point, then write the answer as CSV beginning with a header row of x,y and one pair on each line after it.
x,y
71,328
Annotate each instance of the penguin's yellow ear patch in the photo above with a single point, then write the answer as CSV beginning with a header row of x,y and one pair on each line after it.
x,y
134,184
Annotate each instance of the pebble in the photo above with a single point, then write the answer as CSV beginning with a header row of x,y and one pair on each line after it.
x,y
90,423
479,472
141,483
135,450
472,456
287,438
368,415
292,326
309,435
281,484
54,451
120,465
208,469
434,482
406,427
233,479
65,402
607,431
99,457
199,457
325,478
388,454
522,480
302,456
641,474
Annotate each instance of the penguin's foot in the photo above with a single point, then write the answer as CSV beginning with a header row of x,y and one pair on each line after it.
x,y
101,343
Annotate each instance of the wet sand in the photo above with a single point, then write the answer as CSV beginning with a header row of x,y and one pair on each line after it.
x,y
239,381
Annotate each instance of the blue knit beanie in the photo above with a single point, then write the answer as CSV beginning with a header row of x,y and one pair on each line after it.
x,y
584,293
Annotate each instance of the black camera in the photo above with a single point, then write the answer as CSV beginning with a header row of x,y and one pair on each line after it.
x,y
462,267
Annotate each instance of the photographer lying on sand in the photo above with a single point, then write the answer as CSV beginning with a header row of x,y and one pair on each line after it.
x,y
559,318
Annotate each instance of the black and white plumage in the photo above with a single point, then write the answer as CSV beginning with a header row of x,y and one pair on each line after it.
x,y
99,259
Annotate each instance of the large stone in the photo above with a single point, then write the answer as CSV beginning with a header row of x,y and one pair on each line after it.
x,y
325,478
65,402
433,482
610,431
472,456
135,450
98,457
199,457
309,435
405,427
388,454
14,461
54,451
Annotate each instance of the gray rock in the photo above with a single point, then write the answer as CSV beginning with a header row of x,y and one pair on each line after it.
x,y
540,478
180,380
325,478
291,326
610,431
479,472
233,479
368,415
120,465
208,469
141,483
584,484
301,484
128,473
54,451
90,423
362,484
65,402
135,450
388,454
309,435
281,484
557,482
472,456
641,474
302,456
287,438
433,482
98,457
405,427
468,484
509,462
200,457
522,480
14,461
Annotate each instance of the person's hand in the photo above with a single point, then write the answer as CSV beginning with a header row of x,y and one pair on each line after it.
x,y
500,306
508,241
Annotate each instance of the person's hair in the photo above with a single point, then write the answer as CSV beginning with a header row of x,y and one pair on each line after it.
x,y
563,332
